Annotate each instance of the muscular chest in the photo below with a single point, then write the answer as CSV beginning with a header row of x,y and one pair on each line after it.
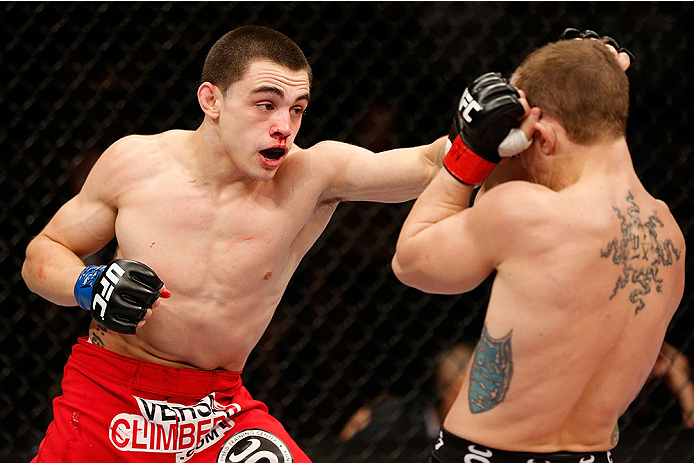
x,y
200,239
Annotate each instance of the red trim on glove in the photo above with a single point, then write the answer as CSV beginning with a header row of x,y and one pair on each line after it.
x,y
465,165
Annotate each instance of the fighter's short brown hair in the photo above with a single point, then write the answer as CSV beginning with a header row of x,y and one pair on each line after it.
x,y
229,58
579,83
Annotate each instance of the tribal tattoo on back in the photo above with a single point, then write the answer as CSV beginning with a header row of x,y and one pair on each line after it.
x,y
640,253
492,369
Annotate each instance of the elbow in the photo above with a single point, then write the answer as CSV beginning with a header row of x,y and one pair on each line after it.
x,y
29,271
27,276
418,271
405,269
411,263
398,269
412,275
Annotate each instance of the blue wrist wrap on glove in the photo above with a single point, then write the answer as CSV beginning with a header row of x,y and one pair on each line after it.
x,y
84,288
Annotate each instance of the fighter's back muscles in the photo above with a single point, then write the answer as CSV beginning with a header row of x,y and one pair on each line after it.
x,y
556,407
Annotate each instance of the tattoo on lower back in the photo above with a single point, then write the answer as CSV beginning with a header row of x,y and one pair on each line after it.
x,y
96,336
640,253
492,369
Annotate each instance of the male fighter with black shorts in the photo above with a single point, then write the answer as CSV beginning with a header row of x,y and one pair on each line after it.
x,y
589,267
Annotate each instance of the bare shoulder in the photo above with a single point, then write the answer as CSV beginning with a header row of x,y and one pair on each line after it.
x,y
638,208
141,152
128,151
662,211
326,160
129,160
307,163
522,218
518,202
129,143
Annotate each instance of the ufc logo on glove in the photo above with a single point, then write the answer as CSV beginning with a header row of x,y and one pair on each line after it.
x,y
118,294
113,274
469,103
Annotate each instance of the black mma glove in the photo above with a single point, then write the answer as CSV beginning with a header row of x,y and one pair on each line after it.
x,y
118,294
488,110
570,33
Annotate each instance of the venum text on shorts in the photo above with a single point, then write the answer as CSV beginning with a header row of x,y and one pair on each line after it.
x,y
166,427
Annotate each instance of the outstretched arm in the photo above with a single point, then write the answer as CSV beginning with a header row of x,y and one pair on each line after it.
x,y
391,176
358,174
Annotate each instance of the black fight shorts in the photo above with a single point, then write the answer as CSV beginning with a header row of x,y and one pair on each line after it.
x,y
454,449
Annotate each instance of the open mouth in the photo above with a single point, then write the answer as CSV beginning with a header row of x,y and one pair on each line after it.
x,y
273,153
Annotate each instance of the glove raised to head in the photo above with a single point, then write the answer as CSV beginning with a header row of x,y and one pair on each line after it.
x,y
489,108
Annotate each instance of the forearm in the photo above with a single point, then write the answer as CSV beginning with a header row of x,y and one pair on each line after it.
x,y
444,197
437,237
423,163
431,154
51,270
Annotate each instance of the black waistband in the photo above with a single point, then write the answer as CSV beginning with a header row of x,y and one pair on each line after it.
x,y
453,449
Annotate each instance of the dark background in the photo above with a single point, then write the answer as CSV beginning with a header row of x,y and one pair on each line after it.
x,y
78,76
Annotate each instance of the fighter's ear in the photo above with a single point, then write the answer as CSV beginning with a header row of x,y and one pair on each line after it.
x,y
546,135
209,98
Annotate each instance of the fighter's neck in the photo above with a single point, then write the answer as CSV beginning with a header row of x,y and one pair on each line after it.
x,y
602,160
210,166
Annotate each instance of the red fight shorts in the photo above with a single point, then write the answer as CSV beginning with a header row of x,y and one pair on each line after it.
x,y
116,408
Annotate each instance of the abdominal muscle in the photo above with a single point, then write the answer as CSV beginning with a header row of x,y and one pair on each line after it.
x,y
191,333
217,311
226,277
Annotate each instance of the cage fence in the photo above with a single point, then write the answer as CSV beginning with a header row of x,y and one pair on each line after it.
x,y
351,363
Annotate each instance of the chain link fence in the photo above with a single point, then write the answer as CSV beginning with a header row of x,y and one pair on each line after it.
x,y
348,337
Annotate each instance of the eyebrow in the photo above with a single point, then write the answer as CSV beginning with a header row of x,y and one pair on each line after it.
x,y
278,92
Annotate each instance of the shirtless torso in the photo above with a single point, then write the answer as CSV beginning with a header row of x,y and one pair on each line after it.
x,y
226,255
591,280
